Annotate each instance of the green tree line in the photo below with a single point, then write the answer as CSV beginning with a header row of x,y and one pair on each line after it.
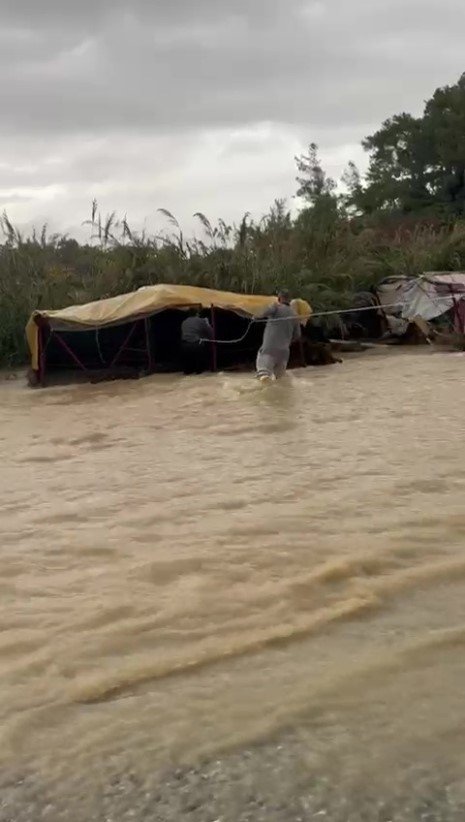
x,y
404,216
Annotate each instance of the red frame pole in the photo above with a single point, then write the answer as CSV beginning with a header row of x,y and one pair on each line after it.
x,y
147,343
458,317
214,350
124,345
41,362
71,353
42,344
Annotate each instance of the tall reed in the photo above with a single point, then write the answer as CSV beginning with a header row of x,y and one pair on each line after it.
x,y
320,255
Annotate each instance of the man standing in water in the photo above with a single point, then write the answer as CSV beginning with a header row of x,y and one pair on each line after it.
x,y
281,330
195,333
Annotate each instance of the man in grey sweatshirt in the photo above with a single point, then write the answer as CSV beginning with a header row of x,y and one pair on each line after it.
x,y
281,330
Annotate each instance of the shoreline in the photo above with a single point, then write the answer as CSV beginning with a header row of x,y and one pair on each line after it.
x,y
273,781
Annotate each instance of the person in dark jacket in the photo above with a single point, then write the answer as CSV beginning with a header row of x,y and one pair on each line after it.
x,y
196,331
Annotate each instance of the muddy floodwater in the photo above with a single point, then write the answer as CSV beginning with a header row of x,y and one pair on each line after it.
x,y
189,566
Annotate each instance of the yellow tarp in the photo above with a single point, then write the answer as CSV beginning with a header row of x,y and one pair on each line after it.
x,y
143,303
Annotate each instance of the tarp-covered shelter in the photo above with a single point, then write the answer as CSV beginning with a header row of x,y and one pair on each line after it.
x,y
389,295
141,330
433,296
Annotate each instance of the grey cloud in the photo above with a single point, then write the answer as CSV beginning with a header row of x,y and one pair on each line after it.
x,y
184,65
124,97
10,199
88,13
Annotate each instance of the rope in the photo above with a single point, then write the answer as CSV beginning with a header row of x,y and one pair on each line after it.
x,y
301,317
233,342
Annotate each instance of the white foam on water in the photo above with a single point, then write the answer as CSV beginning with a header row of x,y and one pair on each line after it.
x,y
239,385
242,384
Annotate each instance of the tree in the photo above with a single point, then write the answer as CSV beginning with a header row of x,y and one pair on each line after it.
x,y
352,182
312,179
444,120
397,177
417,164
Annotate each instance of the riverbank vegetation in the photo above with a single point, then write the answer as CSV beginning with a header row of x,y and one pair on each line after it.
x,y
406,215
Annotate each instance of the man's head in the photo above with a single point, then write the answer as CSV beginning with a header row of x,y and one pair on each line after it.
x,y
284,296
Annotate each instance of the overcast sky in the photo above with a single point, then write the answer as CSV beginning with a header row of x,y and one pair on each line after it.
x,y
200,105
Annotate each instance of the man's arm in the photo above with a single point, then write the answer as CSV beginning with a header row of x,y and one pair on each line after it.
x,y
268,313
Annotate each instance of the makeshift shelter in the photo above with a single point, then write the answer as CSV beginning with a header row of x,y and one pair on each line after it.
x,y
140,331
389,295
398,306
435,295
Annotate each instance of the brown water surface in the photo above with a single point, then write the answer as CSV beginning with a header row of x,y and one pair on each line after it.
x,y
189,564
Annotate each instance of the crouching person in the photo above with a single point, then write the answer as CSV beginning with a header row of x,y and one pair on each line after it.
x,y
196,332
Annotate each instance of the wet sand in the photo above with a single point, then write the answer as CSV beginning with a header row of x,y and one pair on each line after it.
x,y
224,602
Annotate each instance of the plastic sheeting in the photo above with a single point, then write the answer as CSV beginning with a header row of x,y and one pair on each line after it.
x,y
432,295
